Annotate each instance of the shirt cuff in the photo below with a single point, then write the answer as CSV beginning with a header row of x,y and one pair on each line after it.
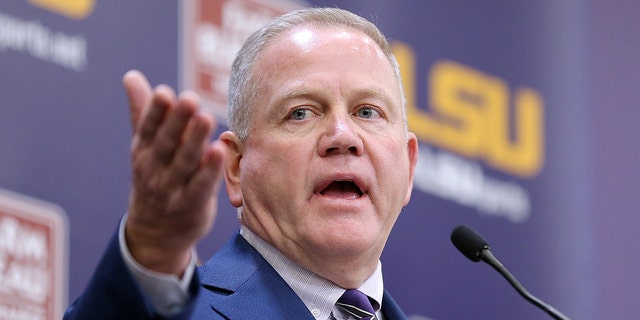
x,y
167,292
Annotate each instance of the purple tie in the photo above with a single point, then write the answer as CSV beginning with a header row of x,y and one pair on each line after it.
x,y
357,304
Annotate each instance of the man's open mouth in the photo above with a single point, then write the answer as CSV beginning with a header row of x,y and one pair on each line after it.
x,y
342,189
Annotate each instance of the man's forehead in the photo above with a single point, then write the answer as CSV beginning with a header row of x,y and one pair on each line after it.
x,y
309,45
310,36
306,33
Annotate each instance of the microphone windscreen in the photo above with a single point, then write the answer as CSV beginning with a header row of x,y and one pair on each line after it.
x,y
469,242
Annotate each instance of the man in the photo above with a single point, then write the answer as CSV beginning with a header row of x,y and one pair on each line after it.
x,y
317,159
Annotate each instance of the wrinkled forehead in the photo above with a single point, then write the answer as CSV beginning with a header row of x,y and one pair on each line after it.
x,y
311,47
302,49
311,44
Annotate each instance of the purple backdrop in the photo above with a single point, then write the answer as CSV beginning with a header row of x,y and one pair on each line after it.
x,y
559,213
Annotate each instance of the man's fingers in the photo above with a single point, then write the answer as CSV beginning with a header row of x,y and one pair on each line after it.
x,y
153,117
188,156
216,157
138,93
171,134
209,176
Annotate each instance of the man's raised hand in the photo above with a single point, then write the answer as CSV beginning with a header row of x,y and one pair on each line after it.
x,y
176,175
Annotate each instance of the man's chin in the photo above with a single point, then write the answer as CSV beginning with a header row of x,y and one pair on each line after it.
x,y
348,245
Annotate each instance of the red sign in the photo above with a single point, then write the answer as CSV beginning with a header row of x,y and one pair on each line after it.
x,y
33,258
212,33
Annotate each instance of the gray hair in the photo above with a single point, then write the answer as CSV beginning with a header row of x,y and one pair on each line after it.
x,y
242,87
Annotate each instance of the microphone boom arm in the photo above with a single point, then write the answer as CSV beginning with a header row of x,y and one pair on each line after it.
x,y
491,260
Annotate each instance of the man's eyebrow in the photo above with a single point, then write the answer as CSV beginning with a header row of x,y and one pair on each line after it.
x,y
377,93
373,94
298,92
293,93
280,101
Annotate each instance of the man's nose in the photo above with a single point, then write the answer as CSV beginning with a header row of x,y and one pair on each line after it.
x,y
340,137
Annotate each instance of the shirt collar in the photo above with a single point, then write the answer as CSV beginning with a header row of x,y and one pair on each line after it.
x,y
317,293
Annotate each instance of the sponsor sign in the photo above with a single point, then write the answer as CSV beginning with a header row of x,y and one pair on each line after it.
x,y
483,137
75,9
33,258
33,37
212,33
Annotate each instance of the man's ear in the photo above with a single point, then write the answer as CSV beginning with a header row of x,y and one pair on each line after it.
x,y
232,168
412,149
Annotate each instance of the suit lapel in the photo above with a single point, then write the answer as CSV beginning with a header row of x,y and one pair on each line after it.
x,y
390,308
239,284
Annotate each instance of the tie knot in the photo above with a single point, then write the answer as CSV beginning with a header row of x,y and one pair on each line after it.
x,y
357,304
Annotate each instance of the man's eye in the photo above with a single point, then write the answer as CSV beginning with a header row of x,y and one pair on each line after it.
x,y
300,114
367,113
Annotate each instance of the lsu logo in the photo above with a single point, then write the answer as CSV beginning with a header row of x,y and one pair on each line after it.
x,y
75,9
476,115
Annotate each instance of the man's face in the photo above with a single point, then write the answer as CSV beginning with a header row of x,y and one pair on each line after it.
x,y
327,165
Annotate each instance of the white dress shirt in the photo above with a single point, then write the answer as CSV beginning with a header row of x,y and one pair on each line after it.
x,y
317,293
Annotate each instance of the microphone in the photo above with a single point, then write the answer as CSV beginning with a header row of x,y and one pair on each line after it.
x,y
473,246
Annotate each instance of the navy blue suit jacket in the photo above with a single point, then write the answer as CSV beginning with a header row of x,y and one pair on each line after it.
x,y
236,283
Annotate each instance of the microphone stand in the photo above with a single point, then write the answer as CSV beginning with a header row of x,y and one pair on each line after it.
x,y
490,259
